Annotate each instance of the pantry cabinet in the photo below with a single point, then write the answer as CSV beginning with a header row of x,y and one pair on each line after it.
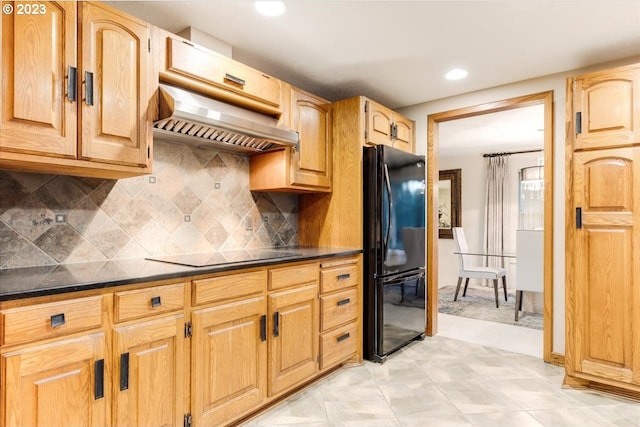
x,y
386,127
603,231
77,84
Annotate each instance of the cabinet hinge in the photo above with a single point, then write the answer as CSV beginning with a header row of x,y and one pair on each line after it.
x,y
187,420
578,122
149,44
188,330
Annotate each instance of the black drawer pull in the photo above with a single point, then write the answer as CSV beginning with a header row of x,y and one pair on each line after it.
x,y
72,82
344,301
88,80
236,80
98,384
578,218
124,371
344,276
343,337
276,324
156,302
57,320
263,327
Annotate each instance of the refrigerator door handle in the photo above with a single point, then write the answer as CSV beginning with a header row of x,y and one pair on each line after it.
x,y
387,182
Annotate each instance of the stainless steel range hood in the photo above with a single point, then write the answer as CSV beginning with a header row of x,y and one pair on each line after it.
x,y
189,117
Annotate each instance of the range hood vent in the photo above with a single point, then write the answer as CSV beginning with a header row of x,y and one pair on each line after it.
x,y
192,118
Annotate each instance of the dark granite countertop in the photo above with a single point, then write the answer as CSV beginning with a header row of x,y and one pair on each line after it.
x,y
18,283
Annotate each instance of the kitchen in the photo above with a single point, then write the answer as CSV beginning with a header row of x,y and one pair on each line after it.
x,y
108,225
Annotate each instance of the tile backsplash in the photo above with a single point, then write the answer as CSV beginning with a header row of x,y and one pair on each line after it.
x,y
196,201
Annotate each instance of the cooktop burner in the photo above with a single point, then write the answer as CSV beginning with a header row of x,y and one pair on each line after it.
x,y
218,258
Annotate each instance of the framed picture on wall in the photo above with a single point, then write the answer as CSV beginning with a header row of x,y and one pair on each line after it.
x,y
449,197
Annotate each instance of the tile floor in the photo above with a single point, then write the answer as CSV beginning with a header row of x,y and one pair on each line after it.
x,y
459,378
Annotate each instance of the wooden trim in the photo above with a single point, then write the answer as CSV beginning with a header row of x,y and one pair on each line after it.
x,y
433,120
557,359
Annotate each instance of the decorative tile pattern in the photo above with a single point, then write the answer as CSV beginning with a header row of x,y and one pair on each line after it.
x,y
134,218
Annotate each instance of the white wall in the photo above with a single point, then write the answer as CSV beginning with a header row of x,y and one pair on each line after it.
x,y
472,210
556,83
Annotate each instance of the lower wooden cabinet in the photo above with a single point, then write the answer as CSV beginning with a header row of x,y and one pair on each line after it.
x,y
293,344
148,376
208,352
229,353
62,383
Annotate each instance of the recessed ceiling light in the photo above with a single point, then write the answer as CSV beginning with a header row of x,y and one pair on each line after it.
x,y
270,7
456,74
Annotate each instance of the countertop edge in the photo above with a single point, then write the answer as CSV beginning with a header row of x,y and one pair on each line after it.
x,y
165,272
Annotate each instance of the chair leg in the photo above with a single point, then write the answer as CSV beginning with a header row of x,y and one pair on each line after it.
x,y
504,286
518,303
495,291
466,283
455,298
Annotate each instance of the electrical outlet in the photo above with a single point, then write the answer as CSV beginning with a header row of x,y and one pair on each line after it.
x,y
248,224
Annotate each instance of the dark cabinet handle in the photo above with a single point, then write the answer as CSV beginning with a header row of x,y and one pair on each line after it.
x,y
578,122
72,82
343,337
344,301
98,385
88,81
236,80
263,327
57,320
276,324
344,276
124,371
578,218
156,302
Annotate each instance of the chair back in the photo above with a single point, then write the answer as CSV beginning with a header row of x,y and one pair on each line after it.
x,y
461,246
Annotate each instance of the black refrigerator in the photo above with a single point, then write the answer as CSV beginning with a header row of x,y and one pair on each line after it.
x,y
394,250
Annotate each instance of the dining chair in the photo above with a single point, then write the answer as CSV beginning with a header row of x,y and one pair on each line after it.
x,y
468,271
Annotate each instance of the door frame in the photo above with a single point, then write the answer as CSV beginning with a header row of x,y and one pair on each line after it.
x,y
433,121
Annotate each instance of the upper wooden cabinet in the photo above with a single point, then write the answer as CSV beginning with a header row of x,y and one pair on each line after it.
x,y
185,64
386,127
607,108
307,168
76,88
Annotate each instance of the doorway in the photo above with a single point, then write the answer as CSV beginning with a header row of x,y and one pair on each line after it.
x,y
544,98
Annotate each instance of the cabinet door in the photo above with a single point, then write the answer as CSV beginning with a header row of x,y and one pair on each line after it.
x,y
64,383
378,124
609,105
293,341
37,115
605,294
115,55
149,376
404,133
311,162
229,355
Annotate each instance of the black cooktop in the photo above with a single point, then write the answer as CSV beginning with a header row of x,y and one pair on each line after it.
x,y
229,257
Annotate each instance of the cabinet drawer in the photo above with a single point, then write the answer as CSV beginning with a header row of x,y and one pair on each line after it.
x,y
214,69
44,321
227,287
289,276
148,302
339,277
339,308
338,345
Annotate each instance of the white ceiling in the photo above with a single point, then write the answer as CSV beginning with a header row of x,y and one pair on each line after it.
x,y
396,52
511,130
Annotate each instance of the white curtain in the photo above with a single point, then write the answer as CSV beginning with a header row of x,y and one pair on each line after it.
x,y
496,211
